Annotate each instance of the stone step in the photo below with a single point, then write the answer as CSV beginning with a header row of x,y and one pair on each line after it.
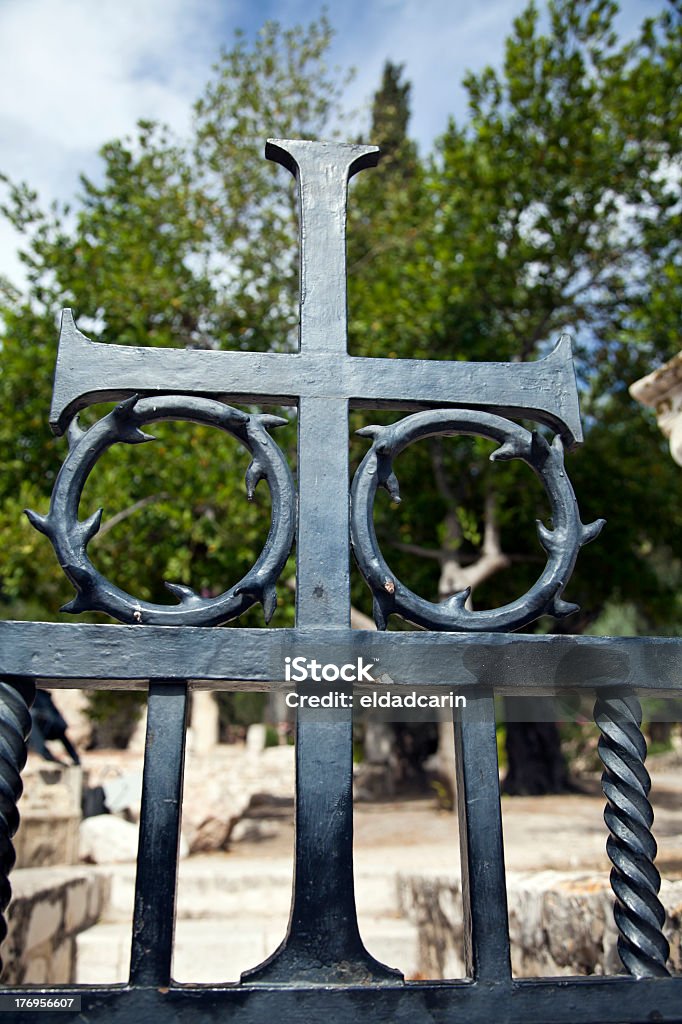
x,y
217,886
219,949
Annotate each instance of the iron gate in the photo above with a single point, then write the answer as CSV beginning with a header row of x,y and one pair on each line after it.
x,y
322,970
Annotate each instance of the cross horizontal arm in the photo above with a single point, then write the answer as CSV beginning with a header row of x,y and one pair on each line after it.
x,y
544,390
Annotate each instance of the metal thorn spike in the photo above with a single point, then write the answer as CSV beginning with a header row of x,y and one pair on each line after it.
x,y
130,434
74,433
271,422
391,485
546,536
80,603
458,601
89,527
41,523
372,430
540,449
509,450
560,608
254,474
269,602
126,408
558,445
185,594
592,530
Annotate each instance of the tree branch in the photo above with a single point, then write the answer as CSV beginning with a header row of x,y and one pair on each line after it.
x,y
126,512
455,577
437,554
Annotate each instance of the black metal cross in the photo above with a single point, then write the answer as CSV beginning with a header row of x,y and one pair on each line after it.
x,y
323,380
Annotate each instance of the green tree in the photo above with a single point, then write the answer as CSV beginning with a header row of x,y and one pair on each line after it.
x,y
553,208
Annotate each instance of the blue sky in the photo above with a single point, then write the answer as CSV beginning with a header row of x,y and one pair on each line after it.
x,y
74,73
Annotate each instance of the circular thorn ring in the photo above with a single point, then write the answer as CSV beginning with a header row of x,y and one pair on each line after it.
x,y
561,543
70,537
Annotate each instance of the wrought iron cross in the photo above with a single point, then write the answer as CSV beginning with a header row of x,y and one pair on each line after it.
x,y
323,380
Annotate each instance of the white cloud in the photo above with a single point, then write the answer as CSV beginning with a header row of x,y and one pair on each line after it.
x,y
74,73
438,40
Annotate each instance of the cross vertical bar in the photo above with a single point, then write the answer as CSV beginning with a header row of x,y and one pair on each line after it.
x,y
157,857
323,942
323,911
484,893
322,171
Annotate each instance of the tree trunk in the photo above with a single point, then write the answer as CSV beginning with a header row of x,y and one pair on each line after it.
x,y
535,763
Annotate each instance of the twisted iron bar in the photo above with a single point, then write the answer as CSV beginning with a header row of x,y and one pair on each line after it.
x,y
15,726
631,847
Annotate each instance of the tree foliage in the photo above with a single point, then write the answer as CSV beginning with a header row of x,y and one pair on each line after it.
x,y
552,207
186,244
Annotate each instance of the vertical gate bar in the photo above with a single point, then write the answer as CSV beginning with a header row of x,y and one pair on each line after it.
x,y
639,914
157,857
323,941
484,892
323,928
16,699
324,919
323,911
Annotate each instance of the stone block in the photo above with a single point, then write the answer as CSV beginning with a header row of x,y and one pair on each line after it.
x,y
76,905
46,918
560,923
49,815
62,968
49,908
106,839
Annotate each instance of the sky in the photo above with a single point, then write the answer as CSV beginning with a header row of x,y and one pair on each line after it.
x,y
76,73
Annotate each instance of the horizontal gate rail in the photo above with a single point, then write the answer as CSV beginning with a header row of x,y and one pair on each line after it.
x,y
610,1000
512,664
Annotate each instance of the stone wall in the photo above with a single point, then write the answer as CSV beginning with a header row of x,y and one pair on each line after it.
x,y
50,814
560,923
49,908
219,786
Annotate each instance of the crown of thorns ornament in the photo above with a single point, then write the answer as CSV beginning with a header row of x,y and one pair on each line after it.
x,y
562,543
70,536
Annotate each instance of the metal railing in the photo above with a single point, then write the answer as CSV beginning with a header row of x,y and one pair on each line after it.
x,y
322,969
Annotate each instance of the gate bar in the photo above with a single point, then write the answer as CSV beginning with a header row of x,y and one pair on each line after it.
x,y
484,892
157,857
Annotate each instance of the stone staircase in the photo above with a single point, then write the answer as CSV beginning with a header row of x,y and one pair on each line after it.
x,y
232,913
